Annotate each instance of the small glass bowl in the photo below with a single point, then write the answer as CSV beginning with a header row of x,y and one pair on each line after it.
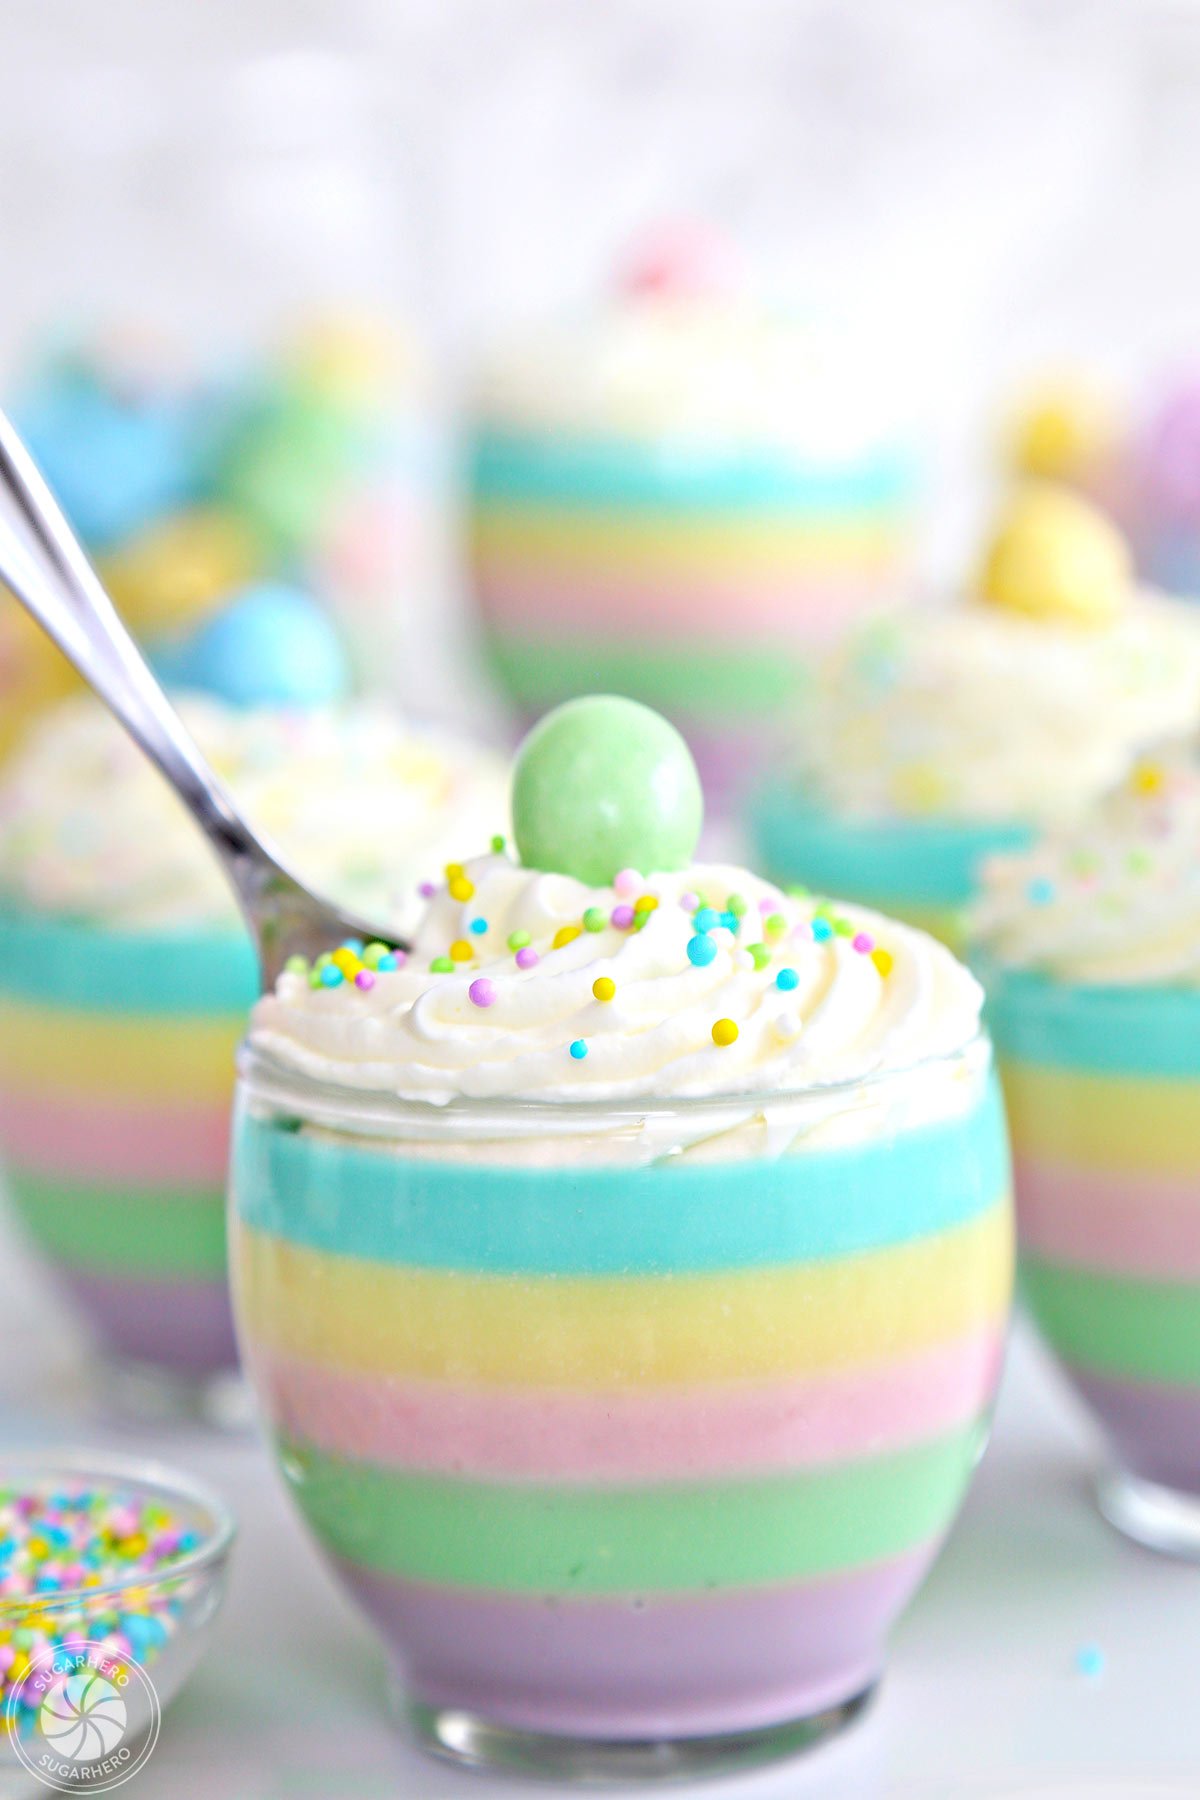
x,y
141,1636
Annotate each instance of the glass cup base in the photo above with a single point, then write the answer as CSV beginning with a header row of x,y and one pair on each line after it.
x,y
477,1743
1159,1518
133,1392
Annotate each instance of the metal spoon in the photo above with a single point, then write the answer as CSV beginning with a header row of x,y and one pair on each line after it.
x,y
53,580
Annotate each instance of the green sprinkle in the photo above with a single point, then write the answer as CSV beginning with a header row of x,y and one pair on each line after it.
x,y
761,955
441,965
372,954
323,961
296,965
797,893
1139,862
736,905
775,923
842,928
595,919
517,940
499,844
314,978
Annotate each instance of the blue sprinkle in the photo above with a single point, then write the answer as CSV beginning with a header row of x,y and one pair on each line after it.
x,y
787,979
704,918
821,929
1089,1660
701,949
579,1049
331,975
1040,892
730,921
478,926
354,944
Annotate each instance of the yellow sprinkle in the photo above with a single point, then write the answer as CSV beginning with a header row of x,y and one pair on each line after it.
x,y
566,934
882,960
604,987
461,951
453,871
1147,778
347,962
724,1032
645,903
461,888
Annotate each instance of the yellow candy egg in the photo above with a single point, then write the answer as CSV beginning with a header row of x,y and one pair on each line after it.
x,y
174,571
1055,557
1062,431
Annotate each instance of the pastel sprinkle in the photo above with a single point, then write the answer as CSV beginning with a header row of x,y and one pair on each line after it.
x,y
527,958
724,1032
426,890
364,979
622,917
461,951
1040,891
775,924
314,978
452,870
354,945
373,954
645,903
627,881
499,844
595,919
604,987
730,920
701,949
478,926
566,934
883,960
1089,1661
786,980
517,940
331,976
822,930
705,919
863,943
759,955
461,888
441,965
689,902
736,905
579,1049
391,960
843,928
296,965
346,961
482,992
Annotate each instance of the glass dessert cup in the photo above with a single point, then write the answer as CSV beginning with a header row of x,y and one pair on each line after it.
x,y
116,1081
1103,1089
921,870
631,1428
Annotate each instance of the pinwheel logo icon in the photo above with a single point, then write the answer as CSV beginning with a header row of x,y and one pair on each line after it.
x,y
83,1718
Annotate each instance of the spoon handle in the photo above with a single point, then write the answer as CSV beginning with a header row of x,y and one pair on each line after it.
x,y
54,581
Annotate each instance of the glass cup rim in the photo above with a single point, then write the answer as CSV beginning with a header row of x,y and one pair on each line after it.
x,y
267,1079
143,1472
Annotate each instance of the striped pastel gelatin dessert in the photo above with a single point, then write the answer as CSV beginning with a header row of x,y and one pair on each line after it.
x,y
697,577
116,1075
616,1452
920,869
1103,1088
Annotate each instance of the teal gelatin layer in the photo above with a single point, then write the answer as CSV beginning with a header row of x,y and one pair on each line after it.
x,y
672,1216
606,472
879,862
65,962
1101,1030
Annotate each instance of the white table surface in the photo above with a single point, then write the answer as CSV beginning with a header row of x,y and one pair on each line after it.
x,y
983,1695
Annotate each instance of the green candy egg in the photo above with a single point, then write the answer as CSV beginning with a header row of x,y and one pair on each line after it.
x,y
603,784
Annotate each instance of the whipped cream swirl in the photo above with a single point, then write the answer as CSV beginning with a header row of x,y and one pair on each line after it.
x,y
968,711
1114,901
359,802
817,994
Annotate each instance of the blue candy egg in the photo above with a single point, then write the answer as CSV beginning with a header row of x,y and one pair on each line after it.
x,y
272,645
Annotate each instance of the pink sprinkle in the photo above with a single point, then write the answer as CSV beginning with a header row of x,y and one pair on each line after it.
x,y
427,890
364,979
767,904
622,917
628,881
689,902
482,992
864,944
527,957
401,957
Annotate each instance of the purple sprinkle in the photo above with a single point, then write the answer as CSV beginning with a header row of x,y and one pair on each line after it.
x,y
364,979
689,902
427,890
864,944
483,992
622,917
527,957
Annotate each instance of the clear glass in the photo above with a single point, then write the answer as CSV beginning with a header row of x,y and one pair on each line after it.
x,y
44,1638
632,1429
1103,1088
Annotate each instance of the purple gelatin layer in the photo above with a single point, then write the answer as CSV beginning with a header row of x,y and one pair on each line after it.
x,y
1154,1430
663,1666
183,1326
